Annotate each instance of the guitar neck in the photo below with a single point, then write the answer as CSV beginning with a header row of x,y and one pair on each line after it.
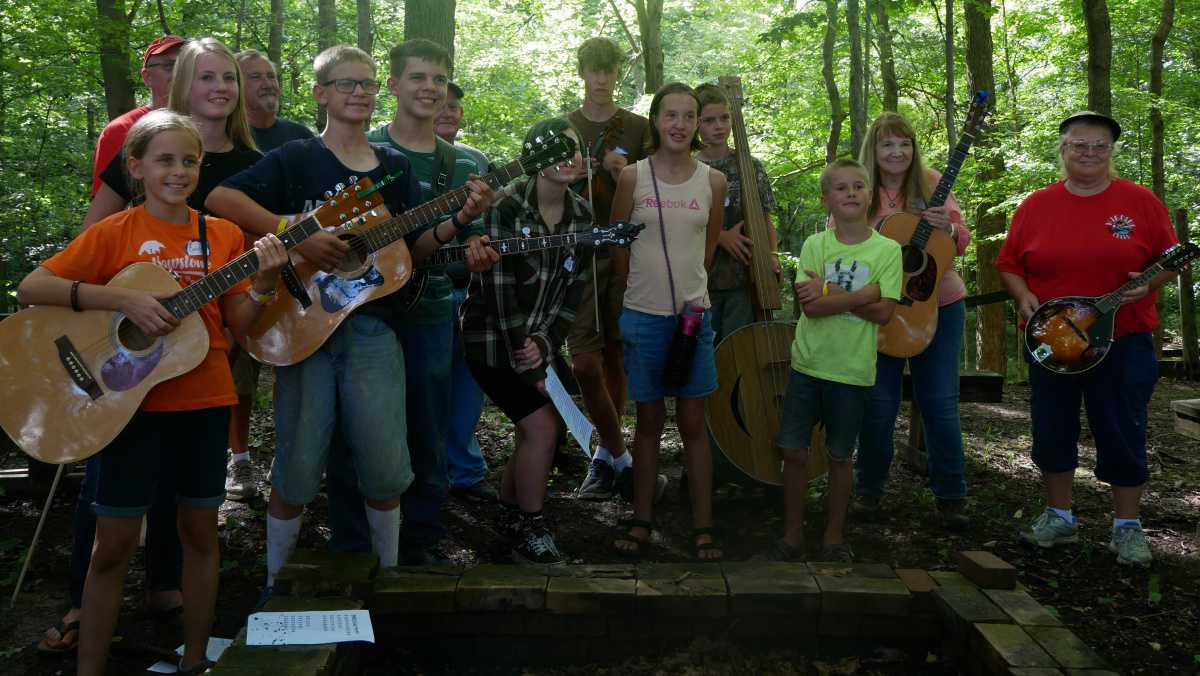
x,y
197,295
1111,301
924,229
505,247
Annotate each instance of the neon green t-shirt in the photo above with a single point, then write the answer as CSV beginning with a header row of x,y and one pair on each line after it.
x,y
842,347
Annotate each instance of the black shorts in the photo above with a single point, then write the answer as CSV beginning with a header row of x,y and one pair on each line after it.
x,y
516,397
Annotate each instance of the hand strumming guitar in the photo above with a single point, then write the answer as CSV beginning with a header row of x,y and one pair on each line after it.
x,y
323,249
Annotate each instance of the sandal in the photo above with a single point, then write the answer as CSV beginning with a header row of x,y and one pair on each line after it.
x,y
631,546
67,641
196,669
780,550
703,548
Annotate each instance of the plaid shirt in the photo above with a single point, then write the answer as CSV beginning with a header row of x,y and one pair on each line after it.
x,y
530,295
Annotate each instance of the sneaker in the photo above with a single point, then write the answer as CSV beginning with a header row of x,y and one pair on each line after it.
x,y
1129,544
864,507
239,481
598,484
780,550
508,522
536,545
953,515
1050,529
839,553
624,484
477,492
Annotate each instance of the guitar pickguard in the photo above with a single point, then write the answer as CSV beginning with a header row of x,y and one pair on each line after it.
x,y
337,292
124,370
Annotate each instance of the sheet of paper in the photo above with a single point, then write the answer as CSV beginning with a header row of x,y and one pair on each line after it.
x,y
216,646
577,423
309,627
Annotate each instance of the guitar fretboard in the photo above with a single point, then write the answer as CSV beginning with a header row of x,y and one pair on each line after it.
x,y
504,247
924,229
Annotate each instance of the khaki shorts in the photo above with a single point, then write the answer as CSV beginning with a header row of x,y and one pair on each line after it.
x,y
245,371
585,336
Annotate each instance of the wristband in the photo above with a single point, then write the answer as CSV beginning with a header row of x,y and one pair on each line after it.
x,y
439,240
283,221
825,288
261,298
459,225
75,297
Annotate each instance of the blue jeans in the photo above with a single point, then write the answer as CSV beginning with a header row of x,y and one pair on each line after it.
x,y
464,458
426,349
935,389
164,555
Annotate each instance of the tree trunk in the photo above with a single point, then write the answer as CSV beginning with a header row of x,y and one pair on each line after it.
x,y
649,15
162,18
1099,39
868,39
275,41
990,222
1187,305
835,99
326,38
113,30
858,109
887,62
432,20
1157,173
237,36
365,38
949,49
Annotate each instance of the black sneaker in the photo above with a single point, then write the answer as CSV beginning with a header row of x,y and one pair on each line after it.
x,y
536,545
865,507
598,484
508,522
953,515
624,485
477,492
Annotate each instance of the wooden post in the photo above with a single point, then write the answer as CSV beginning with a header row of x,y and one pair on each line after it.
x,y
1187,305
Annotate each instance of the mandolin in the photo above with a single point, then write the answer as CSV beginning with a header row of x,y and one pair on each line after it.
x,y
1073,334
926,253
378,264
71,381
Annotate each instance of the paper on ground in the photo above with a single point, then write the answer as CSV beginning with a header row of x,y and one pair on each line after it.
x,y
577,423
216,646
309,627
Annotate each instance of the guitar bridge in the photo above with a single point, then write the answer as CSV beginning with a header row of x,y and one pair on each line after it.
x,y
76,368
291,282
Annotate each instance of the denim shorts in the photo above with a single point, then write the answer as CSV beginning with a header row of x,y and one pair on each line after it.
x,y
354,383
178,451
647,338
840,407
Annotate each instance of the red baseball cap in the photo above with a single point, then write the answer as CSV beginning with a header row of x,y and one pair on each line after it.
x,y
161,44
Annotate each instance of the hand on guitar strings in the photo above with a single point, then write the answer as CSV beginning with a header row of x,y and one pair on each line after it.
x,y
939,217
147,313
1136,293
271,257
480,256
528,354
810,289
736,244
324,249
482,196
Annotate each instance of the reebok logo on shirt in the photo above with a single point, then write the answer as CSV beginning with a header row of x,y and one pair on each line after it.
x,y
1121,226
652,203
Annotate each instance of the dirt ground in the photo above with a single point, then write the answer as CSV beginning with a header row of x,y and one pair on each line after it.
x,y
1141,621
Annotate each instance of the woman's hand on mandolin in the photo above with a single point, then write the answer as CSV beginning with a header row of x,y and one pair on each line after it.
x,y
1027,305
1136,293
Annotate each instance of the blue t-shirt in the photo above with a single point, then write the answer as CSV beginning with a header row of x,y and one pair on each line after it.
x,y
279,133
293,179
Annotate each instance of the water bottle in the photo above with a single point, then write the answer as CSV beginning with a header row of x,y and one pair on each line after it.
x,y
683,346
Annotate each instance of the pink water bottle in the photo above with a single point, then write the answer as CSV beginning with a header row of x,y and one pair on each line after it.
x,y
678,367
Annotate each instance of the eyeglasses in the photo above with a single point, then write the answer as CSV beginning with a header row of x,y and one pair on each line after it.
x,y
1081,147
346,86
165,65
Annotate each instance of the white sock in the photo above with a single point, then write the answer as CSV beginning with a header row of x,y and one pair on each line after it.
x,y
240,457
385,534
1119,523
622,462
281,539
603,454
1064,513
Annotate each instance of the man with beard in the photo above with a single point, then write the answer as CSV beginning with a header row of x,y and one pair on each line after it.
x,y
262,103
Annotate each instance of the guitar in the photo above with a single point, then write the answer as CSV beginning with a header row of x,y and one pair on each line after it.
x,y
378,264
71,381
1073,334
927,253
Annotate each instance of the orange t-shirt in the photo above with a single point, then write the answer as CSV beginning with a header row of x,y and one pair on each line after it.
x,y
134,236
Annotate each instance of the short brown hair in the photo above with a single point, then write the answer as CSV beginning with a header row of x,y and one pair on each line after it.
x,y
418,48
709,93
599,54
843,163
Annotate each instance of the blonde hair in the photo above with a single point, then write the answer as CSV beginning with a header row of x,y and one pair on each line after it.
x,y
1062,147
915,187
150,125
237,128
335,56
843,163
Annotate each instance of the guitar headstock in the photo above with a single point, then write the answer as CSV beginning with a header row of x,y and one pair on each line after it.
x,y
1179,256
980,105
349,201
732,84
545,151
621,233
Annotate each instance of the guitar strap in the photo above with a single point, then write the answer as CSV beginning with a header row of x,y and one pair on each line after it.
x,y
443,166
203,242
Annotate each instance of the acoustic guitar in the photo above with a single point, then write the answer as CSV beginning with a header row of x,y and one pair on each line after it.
x,y
378,264
1073,334
71,381
927,253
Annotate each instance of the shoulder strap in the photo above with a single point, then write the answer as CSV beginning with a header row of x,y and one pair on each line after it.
x,y
444,156
203,242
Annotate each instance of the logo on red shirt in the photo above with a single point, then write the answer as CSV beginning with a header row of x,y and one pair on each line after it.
x,y
1121,226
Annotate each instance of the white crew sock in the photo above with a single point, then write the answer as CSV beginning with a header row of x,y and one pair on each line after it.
x,y
240,457
1118,523
622,462
385,534
602,454
1064,513
281,539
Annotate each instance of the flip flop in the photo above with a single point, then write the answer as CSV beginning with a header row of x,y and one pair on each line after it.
x,y
68,639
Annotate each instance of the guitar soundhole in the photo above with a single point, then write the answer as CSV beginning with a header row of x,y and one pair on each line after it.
x,y
132,338
356,257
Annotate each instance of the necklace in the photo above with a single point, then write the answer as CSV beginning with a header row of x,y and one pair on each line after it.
x,y
890,197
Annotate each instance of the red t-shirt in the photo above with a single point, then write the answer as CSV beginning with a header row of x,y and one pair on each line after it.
x,y
134,236
110,142
1066,245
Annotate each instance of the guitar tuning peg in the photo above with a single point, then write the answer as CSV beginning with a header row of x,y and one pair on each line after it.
x,y
342,217
368,204
353,180
373,212
328,194
355,210
339,187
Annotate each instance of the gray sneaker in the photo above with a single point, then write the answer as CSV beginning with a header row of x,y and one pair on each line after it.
x,y
239,481
598,484
535,545
1129,544
839,553
1050,529
624,485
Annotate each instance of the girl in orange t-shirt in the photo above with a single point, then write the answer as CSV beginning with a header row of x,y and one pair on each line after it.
x,y
176,441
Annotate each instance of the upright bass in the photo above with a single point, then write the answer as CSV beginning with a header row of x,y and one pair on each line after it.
x,y
754,362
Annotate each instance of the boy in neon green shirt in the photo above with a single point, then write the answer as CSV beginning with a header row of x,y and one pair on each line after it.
x,y
852,287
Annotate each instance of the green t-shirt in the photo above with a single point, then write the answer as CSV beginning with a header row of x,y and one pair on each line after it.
x,y
842,348
435,306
